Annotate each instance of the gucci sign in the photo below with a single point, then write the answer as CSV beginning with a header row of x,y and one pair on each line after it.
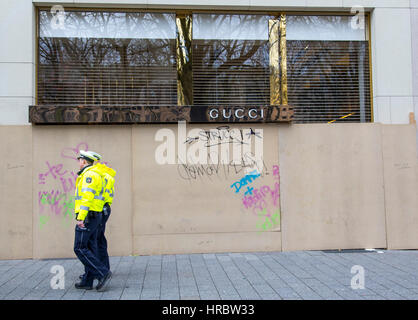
x,y
107,114
238,113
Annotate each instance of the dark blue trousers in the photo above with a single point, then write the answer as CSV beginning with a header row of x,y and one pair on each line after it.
x,y
101,239
84,248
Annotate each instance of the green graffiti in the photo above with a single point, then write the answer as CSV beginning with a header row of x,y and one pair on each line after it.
x,y
52,199
69,205
44,199
43,220
60,203
276,218
267,222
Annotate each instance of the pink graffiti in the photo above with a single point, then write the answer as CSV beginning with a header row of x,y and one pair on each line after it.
x,y
258,199
66,178
41,195
68,184
52,200
275,194
57,201
71,153
60,201
54,171
276,173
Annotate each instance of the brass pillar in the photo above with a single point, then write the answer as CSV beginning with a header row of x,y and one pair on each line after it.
x,y
184,24
274,62
283,59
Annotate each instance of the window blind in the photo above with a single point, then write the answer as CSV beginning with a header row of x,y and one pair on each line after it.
x,y
329,81
328,69
92,61
230,72
129,58
230,59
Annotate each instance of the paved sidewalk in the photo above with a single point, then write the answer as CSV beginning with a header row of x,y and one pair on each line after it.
x,y
227,276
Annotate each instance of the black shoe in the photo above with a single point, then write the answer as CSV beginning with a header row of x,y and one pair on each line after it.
x,y
81,285
104,281
81,276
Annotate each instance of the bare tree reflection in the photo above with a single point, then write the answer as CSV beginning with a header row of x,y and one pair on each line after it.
x,y
89,70
323,79
326,79
129,58
230,71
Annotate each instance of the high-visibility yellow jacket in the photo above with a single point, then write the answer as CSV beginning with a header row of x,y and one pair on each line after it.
x,y
108,176
88,193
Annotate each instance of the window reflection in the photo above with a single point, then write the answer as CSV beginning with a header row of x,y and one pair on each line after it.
x,y
230,60
110,70
328,69
129,58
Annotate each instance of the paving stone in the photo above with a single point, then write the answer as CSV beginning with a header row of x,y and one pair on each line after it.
x,y
92,295
231,297
148,292
130,294
389,294
208,287
131,297
287,292
169,297
150,297
273,296
260,275
188,291
72,296
263,289
209,256
209,295
196,297
373,297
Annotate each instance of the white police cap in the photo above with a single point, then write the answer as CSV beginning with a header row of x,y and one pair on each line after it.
x,y
86,155
95,155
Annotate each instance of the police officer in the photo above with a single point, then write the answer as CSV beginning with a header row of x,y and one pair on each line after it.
x,y
89,202
108,175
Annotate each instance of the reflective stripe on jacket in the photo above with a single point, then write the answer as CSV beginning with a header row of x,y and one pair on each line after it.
x,y
88,193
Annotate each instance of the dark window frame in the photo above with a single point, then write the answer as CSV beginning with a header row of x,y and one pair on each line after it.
x,y
370,96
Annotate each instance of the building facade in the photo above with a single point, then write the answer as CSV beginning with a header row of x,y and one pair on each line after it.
x,y
252,125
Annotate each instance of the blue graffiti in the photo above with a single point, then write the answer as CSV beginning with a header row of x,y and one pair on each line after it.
x,y
249,178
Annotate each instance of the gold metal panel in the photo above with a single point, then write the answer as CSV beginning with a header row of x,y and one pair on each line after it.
x,y
274,62
368,24
37,56
283,61
184,24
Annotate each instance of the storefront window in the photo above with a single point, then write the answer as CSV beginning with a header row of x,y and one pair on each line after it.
x,y
328,69
145,58
230,59
107,58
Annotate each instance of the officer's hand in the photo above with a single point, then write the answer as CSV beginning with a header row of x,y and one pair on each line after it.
x,y
80,224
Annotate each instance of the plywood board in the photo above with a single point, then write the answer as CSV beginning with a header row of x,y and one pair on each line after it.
x,y
191,198
401,185
55,167
207,243
332,193
16,192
